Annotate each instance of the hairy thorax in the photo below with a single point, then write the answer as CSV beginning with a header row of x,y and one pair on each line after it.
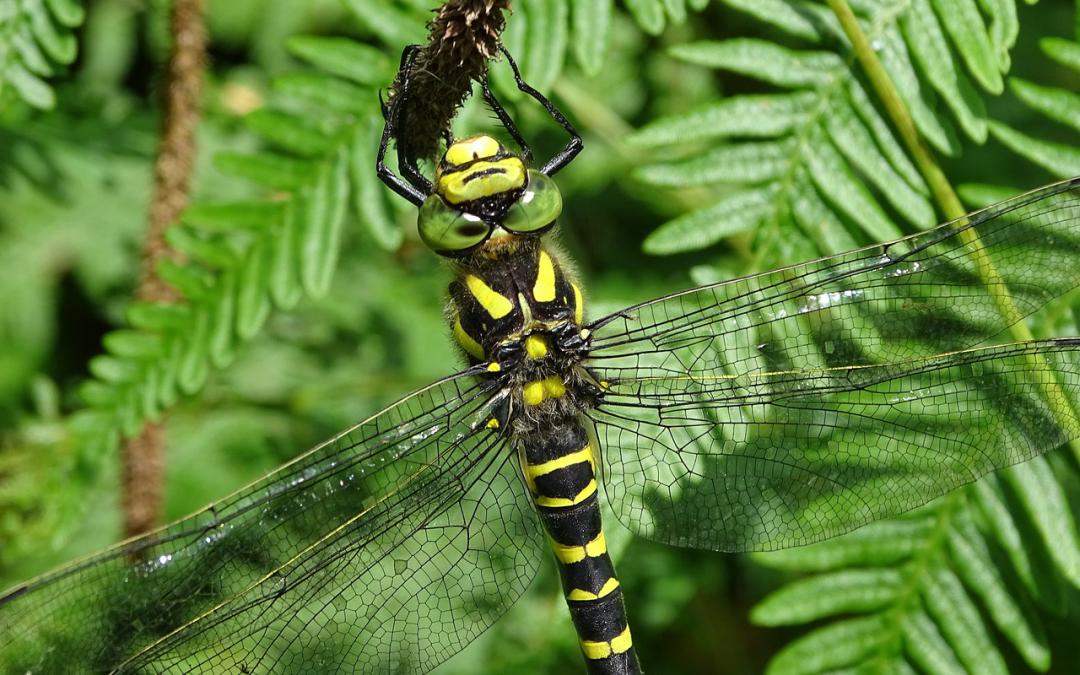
x,y
514,307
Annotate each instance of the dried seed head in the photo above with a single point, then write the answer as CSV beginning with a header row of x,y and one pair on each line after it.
x,y
462,37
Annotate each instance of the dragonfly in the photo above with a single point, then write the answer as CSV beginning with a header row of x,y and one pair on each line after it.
x,y
758,413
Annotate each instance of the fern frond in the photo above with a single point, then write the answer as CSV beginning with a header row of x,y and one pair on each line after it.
x,y
1058,104
36,42
246,257
823,116
932,589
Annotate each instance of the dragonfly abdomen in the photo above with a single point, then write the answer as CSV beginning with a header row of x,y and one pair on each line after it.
x,y
559,466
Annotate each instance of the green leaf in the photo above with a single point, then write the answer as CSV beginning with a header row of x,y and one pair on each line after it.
x,y
736,163
253,292
285,288
546,27
1047,506
980,195
1004,28
932,53
816,219
303,136
369,193
324,218
223,320
649,15
69,13
133,344
885,542
826,595
980,575
789,17
277,172
839,187
834,646
1059,159
919,101
231,216
884,137
393,26
194,365
30,88
853,140
926,647
950,606
1065,52
965,26
347,58
325,92
591,22
736,213
762,60
993,507
1057,104
676,10
759,116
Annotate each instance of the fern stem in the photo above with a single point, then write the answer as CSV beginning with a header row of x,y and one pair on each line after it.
x,y
143,457
943,192
950,205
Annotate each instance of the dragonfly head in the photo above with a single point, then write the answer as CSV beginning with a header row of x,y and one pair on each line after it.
x,y
483,191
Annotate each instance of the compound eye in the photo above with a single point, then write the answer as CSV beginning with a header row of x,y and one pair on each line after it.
x,y
446,230
537,208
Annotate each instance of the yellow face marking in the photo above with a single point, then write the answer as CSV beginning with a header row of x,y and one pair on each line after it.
x,y
619,644
578,594
579,306
571,554
481,179
494,367
536,346
468,149
564,502
471,346
496,305
544,288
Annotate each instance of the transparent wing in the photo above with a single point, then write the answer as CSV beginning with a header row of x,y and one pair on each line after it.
x,y
812,326
918,296
768,460
386,549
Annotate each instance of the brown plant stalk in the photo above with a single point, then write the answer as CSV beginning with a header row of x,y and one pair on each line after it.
x,y
143,457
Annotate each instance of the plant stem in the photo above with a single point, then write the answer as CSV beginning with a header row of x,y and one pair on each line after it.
x,y
143,457
950,205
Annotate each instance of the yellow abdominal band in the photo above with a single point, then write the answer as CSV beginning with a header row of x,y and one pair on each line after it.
x,y
620,644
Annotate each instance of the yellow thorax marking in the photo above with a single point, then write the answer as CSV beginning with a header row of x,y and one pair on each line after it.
x,y
482,179
534,471
569,555
536,346
468,149
492,423
494,367
544,288
564,502
536,392
471,346
579,306
580,595
619,644
495,304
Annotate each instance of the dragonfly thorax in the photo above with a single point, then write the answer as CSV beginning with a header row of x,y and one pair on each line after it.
x,y
520,312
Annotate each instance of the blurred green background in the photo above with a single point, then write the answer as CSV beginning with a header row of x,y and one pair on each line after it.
x,y
76,150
